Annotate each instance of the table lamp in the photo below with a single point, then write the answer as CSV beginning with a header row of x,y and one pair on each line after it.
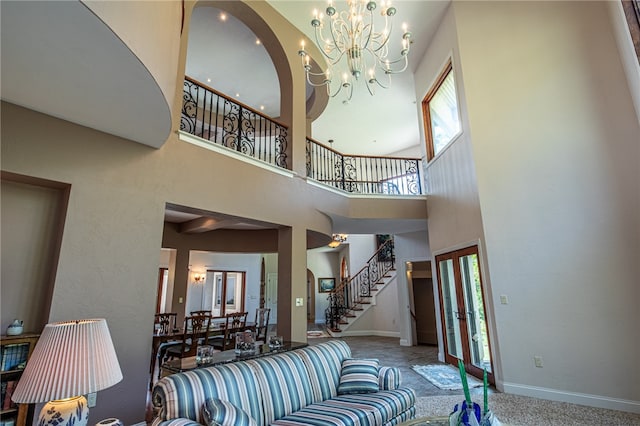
x,y
70,360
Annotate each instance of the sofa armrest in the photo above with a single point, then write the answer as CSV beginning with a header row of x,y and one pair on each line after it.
x,y
389,378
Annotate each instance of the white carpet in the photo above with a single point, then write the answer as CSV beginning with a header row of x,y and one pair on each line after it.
x,y
516,410
445,376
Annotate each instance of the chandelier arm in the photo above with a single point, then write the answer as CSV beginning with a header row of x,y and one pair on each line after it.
x,y
350,95
387,32
388,64
367,29
319,44
337,27
337,91
311,75
382,85
369,84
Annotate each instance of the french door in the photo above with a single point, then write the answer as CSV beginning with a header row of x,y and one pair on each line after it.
x,y
462,311
224,292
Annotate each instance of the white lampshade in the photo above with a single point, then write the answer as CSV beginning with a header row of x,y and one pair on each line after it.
x,y
71,358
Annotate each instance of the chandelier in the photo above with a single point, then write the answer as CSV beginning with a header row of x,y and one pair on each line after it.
x,y
352,35
337,239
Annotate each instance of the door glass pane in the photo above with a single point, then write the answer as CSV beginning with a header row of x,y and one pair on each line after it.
x,y
476,323
452,325
207,292
217,294
230,295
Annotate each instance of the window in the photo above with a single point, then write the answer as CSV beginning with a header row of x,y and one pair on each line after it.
x,y
440,112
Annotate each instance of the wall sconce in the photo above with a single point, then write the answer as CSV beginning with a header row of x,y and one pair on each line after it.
x,y
199,278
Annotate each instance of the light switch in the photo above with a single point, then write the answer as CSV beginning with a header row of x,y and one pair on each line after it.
x,y
299,301
504,299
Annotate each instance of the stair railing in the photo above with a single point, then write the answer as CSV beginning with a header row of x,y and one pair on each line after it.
x,y
350,294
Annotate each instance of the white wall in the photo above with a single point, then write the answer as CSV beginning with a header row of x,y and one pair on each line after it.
x,y
453,205
382,318
323,264
360,250
555,142
411,247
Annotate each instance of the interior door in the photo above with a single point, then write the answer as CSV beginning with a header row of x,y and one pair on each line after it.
x,y
271,295
463,313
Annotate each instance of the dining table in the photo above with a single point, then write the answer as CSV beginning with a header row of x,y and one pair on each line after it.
x,y
225,357
216,328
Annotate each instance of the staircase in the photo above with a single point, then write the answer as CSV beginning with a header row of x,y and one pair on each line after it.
x,y
355,295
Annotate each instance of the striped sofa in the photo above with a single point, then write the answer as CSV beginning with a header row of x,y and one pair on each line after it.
x,y
299,387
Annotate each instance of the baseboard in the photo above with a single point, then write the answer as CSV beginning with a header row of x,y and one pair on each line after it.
x,y
357,333
598,401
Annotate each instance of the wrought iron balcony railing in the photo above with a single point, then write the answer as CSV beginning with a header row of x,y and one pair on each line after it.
x,y
213,116
361,174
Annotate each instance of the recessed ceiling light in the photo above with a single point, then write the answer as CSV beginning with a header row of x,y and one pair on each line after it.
x,y
237,95
223,16
262,107
258,41
208,80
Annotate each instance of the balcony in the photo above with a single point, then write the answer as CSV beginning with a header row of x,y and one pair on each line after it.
x,y
220,120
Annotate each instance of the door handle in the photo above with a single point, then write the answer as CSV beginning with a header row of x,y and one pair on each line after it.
x,y
460,315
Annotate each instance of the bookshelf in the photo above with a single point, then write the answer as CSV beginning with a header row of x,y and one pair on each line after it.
x,y
14,353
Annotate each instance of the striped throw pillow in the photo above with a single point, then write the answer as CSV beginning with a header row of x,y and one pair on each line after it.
x,y
217,412
358,375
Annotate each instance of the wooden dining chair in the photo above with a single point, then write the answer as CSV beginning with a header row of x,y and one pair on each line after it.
x,y
196,332
205,312
165,323
234,323
262,323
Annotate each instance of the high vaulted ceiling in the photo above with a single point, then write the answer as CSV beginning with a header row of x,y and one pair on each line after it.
x,y
224,55
59,58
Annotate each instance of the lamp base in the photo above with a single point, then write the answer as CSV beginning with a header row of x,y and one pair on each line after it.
x,y
69,411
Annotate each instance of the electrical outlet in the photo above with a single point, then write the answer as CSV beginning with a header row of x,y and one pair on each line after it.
x,y
537,360
91,399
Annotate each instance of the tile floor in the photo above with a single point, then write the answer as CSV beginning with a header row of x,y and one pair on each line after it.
x,y
389,352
